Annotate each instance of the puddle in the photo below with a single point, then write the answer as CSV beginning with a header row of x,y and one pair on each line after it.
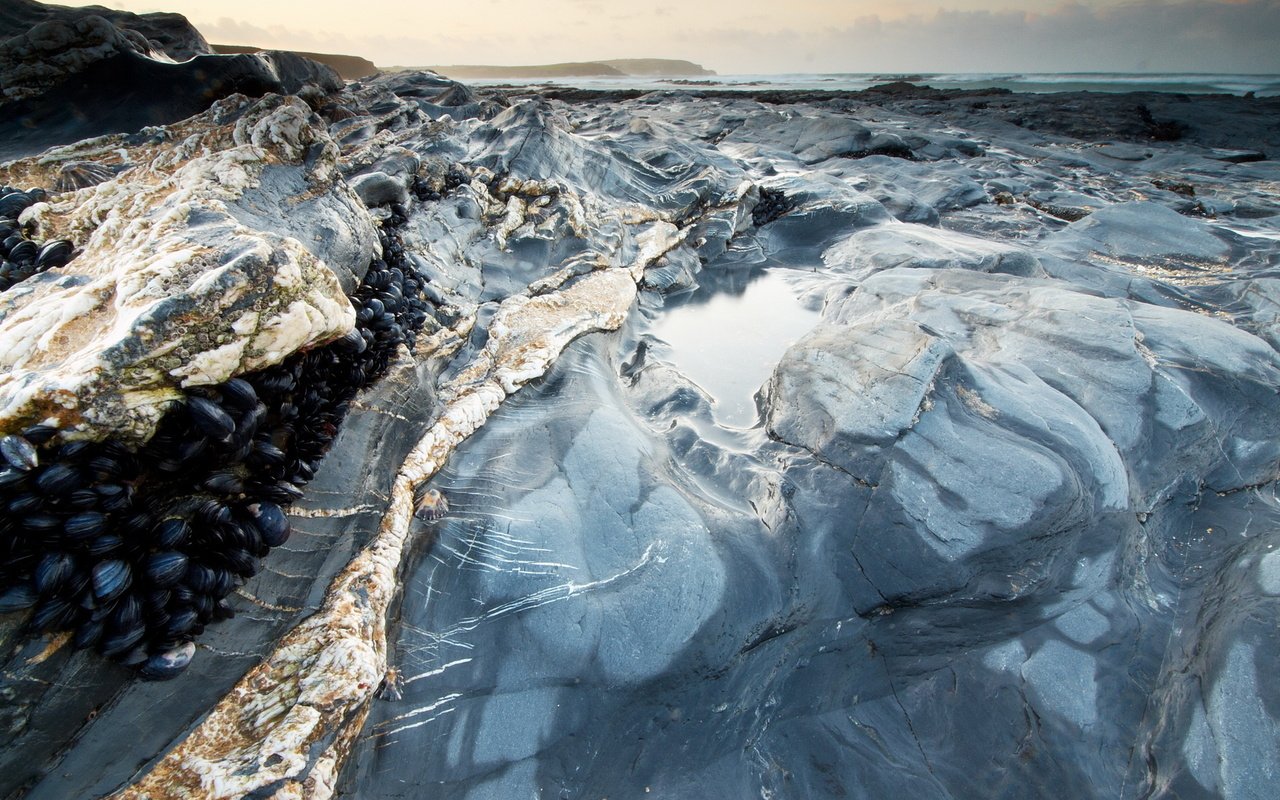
x,y
728,335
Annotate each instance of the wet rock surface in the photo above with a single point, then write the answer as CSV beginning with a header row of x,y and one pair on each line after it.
x,y
1002,522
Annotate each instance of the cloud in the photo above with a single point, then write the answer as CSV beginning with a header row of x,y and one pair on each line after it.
x,y
1231,36
1195,36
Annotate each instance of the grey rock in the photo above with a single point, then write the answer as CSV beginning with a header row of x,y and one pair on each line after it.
x,y
919,247
224,287
73,74
1144,232
1006,523
380,189
1069,206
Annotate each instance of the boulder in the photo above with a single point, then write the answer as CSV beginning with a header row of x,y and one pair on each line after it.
x,y
175,285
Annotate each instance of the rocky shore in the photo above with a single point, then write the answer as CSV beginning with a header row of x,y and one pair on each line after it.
x,y
354,442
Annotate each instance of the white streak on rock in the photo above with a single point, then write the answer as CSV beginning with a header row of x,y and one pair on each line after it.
x,y
170,289
312,692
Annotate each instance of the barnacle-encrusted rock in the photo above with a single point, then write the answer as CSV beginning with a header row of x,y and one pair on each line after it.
x,y
181,282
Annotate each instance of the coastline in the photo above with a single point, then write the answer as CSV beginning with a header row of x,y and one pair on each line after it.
x,y
1011,458
1211,120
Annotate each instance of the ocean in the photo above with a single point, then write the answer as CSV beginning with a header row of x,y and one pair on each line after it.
x,y
1188,83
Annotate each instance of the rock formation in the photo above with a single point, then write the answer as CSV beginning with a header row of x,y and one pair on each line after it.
x,y
1003,522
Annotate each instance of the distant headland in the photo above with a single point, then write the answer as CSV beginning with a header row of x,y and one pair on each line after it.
x,y
615,68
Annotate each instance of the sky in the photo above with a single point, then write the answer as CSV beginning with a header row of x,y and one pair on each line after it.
x,y
763,36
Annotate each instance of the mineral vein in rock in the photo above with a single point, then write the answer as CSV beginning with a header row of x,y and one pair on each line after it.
x,y
311,694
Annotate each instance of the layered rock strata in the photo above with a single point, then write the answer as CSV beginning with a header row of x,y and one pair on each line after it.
x,y
1003,521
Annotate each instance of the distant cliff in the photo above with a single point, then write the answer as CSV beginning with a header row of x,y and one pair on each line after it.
x,y
348,67
661,67
617,68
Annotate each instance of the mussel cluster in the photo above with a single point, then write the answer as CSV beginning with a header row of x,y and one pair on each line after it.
x,y
773,204
453,178
135,550
20,257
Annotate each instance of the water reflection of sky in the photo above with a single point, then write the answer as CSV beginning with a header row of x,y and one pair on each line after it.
x,y
729,334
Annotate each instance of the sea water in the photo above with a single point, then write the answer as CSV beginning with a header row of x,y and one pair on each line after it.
x,y
1187,83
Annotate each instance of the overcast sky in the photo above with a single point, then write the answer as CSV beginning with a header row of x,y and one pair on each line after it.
x,y
743,36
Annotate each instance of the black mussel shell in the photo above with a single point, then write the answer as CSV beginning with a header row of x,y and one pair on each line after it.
x,y
88,633
111,579
19,452
104,468
104,544
200,578
272,523
158,598
304,472
215,512
190,450
11,479
209,417
237,535
77,586
223,581
169,664
126,614
122,642
17,598
54,254
282,492
85,525
239,393
60,479
224,482
115,497
166,568
74,450
25,503
172,532
39,434
242,562
11,205
24,252
353,342
41,524
52,571
156,620
83,499
135,657
53,613
222,610
275,382
266,454
181,621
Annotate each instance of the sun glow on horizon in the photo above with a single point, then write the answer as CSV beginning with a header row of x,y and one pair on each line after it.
x,y
755,36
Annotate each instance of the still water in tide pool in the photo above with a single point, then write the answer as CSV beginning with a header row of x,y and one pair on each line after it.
x,y
728,335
